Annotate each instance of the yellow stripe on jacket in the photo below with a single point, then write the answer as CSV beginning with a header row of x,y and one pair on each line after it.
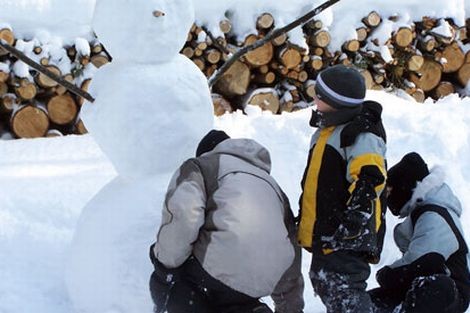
x,y
309,201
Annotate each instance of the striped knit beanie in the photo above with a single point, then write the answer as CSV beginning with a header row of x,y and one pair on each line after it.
x,y
341,87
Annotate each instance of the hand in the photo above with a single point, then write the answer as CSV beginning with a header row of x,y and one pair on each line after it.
x,y
164,274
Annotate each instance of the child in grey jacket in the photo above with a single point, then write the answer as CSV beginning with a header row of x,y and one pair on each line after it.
x,y
433,274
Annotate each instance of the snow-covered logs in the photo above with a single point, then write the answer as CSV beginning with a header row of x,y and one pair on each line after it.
x,y
424,58
31,101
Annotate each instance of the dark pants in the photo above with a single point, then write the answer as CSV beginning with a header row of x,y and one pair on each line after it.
x,y
198,292
339,279
430,294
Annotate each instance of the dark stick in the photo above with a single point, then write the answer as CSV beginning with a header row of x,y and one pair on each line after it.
x,y
271,35
38,67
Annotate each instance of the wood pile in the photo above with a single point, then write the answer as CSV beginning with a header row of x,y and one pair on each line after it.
x,y
31,104
426,59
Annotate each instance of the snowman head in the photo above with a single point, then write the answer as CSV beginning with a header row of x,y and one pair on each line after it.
x,y
143,31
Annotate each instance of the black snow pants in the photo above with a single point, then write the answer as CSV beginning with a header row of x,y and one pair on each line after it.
x,y
429,294
199,292
339,279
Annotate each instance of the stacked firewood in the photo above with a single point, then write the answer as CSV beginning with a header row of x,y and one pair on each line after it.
x,y
425,59
31,104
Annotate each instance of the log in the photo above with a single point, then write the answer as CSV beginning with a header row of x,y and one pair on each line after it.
x,y
403,37
260,56
418,95
309,89
372,20
454,56
415,62
59,89
85,85
221,105
213,56
4,77
427,44
26,90
99,60
351,45
266,79
463,74
279,40
80,128
62,109
290,57
225,26
200,63
97,48
208,71
37,50
188,52
429,23
369,80
8,103
266,98
444,89
303,76
428,77
265,22
235,80
29,122
320,39
3,88
7,35
362,33
46,82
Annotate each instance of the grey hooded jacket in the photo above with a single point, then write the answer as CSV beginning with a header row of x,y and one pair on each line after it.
x,y
431,232
225,209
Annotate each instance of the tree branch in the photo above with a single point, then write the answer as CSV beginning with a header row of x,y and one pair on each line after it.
x,y
38,67
271,35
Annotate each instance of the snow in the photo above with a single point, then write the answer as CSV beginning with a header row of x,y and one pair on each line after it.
x,y
141,104
77,214
128,28
46,183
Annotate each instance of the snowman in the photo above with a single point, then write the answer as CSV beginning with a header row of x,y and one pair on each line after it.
x,y
152,107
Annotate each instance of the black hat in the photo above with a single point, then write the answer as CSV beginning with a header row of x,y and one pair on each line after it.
x,y
403,178
212,139
341,87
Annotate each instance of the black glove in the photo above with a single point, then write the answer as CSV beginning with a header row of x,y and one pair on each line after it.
x,y
400,278
164,274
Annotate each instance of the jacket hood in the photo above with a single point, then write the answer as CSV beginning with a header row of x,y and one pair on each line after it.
x,y
245,149
433,190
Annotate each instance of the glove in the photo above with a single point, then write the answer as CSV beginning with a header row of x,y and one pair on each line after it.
x,y
401,277
164,274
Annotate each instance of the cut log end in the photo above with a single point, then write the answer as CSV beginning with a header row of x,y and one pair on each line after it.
x,y
29,122
260,56
428,76
221,105
46,82
267,100
235,80
62,109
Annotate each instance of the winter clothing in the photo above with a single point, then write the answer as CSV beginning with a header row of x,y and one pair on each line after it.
x,y
339,279
212,139
341,208
341,87
341,186
432,244
199,292
224,209
403,178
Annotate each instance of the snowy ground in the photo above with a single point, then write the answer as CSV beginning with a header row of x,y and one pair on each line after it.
x,y
45,183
